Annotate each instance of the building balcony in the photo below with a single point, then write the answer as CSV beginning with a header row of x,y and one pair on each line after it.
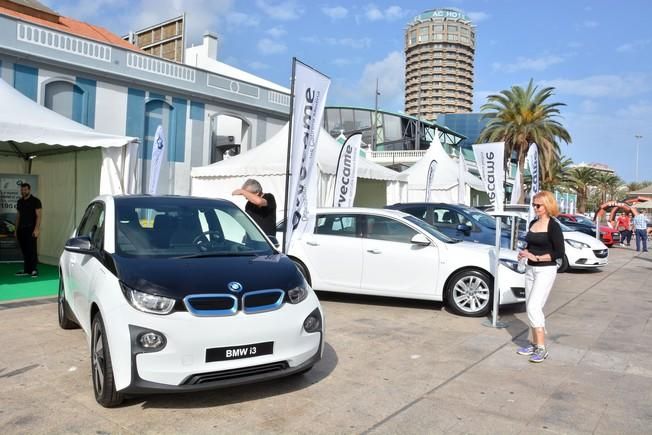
x,y
388,158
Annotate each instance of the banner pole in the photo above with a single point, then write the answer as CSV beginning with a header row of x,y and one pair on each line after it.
x,y
287,162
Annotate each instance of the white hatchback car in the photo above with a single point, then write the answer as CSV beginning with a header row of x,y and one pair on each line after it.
x,y
390,253
582,251
184,294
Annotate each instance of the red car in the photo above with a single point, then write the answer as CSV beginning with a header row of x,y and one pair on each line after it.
x,y
577,222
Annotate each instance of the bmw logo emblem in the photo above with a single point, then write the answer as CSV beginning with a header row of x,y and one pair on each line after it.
x,y
235,287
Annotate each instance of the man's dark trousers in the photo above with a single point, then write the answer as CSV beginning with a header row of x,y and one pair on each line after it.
x,y
27,243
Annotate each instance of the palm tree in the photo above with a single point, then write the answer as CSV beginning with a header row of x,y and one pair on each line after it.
x,y
581,179
522,116
555,173
608,184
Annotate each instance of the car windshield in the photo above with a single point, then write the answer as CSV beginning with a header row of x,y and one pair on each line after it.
x,y
430,229
564,228
185,227
583,220
482,218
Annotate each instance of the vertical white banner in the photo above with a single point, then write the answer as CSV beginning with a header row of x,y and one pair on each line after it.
x,y
490,158
158,149
461,179
430,178
533,165
346,176
517,189
310,89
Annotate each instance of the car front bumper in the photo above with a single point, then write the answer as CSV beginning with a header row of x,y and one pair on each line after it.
x,y
586,259
512,286
181,364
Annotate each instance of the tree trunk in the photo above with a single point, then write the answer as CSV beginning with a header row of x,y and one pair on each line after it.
x,y
521,165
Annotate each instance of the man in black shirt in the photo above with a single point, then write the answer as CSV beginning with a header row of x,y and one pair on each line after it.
x,y
28,228
260,206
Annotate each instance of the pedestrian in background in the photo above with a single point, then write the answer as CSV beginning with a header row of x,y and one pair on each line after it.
x,y
640,226
545,244
261,207
622,225
28,229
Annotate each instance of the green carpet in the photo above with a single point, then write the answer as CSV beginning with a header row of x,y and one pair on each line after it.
x,y
21,287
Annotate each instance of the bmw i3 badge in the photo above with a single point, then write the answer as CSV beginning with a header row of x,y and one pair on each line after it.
x,y
235,287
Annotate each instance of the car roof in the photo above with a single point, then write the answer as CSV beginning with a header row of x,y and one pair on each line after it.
x,y
363,210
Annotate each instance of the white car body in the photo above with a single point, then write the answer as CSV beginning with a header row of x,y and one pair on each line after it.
x,y
372,266
582,251
91,284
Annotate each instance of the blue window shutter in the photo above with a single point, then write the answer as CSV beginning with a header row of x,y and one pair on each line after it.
x,y
87,112
135,122
196,111
177,150
26,80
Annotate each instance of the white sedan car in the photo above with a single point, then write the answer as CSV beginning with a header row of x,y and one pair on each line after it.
x,y
582,250
183,294
391,253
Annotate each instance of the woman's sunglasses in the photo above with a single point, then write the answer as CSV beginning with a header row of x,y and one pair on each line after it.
x,y
537,206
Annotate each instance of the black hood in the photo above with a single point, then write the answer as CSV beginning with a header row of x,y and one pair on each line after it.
x,y
178,278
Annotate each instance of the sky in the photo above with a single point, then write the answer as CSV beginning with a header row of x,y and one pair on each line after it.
x,y
596,53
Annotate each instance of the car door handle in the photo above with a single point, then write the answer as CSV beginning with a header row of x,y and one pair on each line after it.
x,y
374,251
312,243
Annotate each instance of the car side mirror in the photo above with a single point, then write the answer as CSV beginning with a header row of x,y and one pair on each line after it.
x,y
463,228
420,240
80,245
274,241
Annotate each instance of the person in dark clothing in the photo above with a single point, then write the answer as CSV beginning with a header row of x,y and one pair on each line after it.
x,y
28,229
545,244
261,207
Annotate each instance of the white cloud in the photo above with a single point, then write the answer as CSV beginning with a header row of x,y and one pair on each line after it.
x,y
391,13
528,64
390,74
617,86
345,61
122,16
336,12
480,98
268,46
284,11
258,65
575,44
276,32
588,106
633,46
240,20
591,24
356,43
478,16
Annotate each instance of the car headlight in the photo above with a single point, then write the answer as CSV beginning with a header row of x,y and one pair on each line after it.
x,y
148,302
298,293
577,245
511,264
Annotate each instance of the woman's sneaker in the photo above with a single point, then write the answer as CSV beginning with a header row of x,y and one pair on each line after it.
x,y
526,350
539,354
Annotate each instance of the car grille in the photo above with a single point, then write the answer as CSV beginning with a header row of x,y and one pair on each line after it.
x,y
204,378
210,305
601,253
262,300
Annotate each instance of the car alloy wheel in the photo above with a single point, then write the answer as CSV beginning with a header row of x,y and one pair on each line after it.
x,y
101,368
469,293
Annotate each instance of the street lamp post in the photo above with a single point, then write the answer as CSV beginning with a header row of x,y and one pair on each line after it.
x,y
638,141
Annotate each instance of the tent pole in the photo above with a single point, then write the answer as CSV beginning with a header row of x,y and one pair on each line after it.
x,y
287,163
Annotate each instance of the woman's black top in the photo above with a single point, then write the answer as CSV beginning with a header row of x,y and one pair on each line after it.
x,y
548,242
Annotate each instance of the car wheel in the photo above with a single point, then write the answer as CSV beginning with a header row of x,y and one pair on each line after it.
x,y
469,293
63,310
101,368
562,264
303,269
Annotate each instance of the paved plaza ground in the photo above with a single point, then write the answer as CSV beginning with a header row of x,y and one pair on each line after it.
x,y
390,366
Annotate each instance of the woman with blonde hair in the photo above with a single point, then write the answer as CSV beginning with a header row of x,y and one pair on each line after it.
x,y
545,244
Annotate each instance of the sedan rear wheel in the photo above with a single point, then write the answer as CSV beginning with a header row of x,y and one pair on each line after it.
x,y
469,293
101,368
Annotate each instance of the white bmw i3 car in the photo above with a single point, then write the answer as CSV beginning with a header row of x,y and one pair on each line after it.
x,y
390,253
179,294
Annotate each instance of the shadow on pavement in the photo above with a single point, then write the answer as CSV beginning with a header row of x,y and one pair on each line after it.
x,y
246,393
379,300
515,326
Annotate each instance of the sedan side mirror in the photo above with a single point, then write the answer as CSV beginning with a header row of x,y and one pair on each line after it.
x,y
463,228
80,245
420,240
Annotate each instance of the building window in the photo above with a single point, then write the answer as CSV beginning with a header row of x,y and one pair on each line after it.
x,y
437,28
452,37
157,112
65,98
423,34
452,28
413,37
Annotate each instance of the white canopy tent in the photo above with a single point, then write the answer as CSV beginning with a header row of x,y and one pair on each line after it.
x,y
377,186
74,164
445,183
